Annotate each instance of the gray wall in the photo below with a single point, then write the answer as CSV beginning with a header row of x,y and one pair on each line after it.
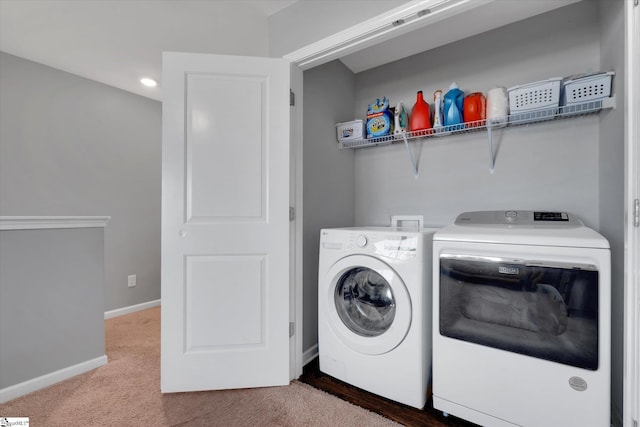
x,y
611,166
51,309
552,166
328,179
71,146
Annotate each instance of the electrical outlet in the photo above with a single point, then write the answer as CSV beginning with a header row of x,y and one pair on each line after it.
x,y
131,280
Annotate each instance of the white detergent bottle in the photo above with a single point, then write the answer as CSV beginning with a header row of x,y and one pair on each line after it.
x,y
437,115
401,119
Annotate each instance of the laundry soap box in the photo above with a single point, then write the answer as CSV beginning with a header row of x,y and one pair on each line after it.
x,y
347,131
379,119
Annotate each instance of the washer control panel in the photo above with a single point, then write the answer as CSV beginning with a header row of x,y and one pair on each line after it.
x,y
361,241
397,246
519,218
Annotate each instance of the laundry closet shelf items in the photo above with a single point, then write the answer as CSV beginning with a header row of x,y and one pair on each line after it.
x,y
490,125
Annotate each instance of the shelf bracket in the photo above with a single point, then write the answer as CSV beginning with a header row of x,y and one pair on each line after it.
x,y
413,160
491,154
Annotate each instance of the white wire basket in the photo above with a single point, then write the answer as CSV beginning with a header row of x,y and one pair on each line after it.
x,y
586,87
536,95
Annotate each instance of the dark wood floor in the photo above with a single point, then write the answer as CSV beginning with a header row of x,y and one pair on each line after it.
x,y
397,412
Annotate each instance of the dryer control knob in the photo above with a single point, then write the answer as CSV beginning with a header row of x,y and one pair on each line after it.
x,y
361,241
511,215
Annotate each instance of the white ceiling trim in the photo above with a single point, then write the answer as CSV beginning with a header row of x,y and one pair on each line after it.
x,y
396,22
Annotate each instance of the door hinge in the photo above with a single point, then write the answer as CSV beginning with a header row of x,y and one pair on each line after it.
x,y
636,213
292,98
292,213
292,329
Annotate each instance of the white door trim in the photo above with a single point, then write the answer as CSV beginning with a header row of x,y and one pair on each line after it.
x,y
296,361
631,391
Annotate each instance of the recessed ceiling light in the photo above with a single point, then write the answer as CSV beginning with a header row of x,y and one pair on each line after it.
x,y
148,82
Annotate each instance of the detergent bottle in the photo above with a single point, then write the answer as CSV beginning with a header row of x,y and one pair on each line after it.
x,y
420,114
437,114
401,117
453,103
474,109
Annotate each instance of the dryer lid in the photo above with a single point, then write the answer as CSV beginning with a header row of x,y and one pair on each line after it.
x,y
539,228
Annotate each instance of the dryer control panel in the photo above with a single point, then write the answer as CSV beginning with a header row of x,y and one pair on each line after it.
x,y
519,218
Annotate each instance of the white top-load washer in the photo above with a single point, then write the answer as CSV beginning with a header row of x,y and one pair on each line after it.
x,y
374,309
521,326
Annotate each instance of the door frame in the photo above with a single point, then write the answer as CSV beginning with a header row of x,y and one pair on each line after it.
x,y
631,380
296,230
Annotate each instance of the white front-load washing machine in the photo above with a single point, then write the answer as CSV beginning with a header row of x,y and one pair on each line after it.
x,y
374,310
521,327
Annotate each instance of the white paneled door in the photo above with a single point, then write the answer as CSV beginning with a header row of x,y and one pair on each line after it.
x,y
225,222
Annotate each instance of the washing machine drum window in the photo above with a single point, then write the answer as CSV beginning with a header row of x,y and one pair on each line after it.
x,y
364,301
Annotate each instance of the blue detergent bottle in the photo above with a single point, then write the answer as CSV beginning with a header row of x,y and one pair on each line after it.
x,y
453,103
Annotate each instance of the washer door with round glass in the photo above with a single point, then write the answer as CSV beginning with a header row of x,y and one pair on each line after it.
x,y
369,305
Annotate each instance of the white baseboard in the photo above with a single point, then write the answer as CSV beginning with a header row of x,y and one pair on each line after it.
x,y
309,355
131,309
17,390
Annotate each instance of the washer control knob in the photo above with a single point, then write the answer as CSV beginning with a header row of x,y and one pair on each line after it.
x,y
361,241
511,215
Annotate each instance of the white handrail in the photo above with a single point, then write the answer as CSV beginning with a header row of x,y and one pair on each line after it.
x,y
51,222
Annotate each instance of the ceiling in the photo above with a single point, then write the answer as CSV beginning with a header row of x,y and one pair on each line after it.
x,y
117,42
473,18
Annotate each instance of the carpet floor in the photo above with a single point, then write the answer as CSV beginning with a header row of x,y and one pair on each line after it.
x,y
126,392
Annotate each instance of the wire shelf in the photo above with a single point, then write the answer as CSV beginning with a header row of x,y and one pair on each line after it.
x,y
517,119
